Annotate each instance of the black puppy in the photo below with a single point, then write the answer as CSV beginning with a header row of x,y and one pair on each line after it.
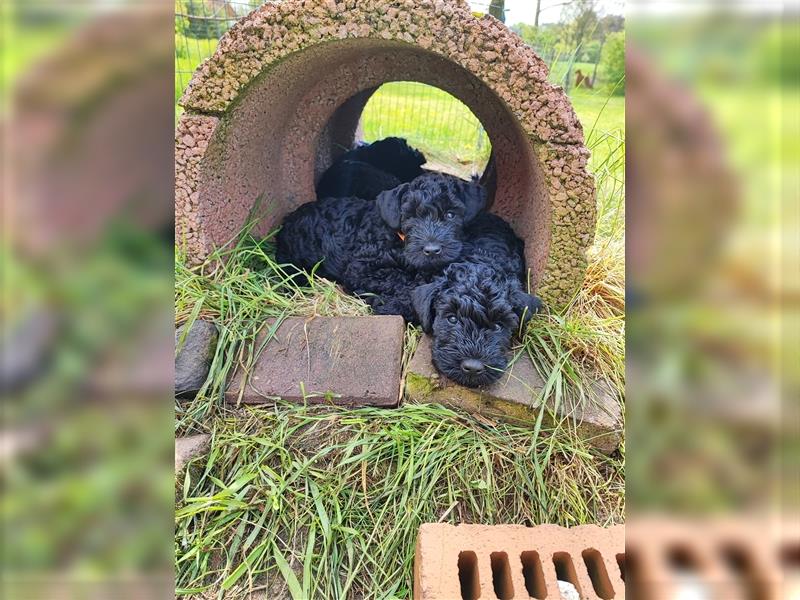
x,y
382,249
369,169
355,178
392,155
473,309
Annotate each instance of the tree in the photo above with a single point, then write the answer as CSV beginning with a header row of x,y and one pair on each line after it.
x,y
607,25
497,8
543,38
580,23
613,63
590,52
610,24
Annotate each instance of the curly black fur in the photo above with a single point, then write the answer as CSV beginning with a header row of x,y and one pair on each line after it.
x,y
392,155
369,169
476,305
383,249
355,178
491,238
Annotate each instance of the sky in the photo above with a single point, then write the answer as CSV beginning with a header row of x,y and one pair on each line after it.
x,y
524,11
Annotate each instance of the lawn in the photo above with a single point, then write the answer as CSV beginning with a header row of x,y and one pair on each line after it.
x,y
452,138
441,126
303,502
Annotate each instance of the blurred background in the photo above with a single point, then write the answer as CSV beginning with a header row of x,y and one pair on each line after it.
x,y
88,111
712,280
87,344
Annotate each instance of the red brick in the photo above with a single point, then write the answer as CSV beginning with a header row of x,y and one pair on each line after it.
x,y
502,561
704,548
348,361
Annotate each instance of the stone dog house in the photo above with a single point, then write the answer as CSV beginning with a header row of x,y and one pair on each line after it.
x,y
283,93
281,98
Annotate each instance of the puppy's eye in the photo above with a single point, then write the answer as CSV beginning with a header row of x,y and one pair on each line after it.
x,y
497,326
449,215
452,319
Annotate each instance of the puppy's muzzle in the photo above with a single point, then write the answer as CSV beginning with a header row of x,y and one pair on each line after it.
x,y
472,366
432,249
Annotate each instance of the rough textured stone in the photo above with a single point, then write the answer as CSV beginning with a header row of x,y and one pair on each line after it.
x,y
194,358
187,448
24,348
282,95
350,361
513,561
515,397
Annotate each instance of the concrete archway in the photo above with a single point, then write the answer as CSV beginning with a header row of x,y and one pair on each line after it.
x,y
267,113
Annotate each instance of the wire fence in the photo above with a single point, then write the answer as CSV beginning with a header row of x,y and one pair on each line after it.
x,y
435,122
441,126
198,26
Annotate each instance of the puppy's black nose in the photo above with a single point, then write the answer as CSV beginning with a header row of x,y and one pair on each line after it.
x,y
431,249
472,366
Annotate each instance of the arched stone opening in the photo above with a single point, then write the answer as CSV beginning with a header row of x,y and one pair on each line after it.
x,y
283,94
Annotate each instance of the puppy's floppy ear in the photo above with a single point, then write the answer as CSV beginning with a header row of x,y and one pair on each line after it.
x,y
526,305
389,205
475,198
422,299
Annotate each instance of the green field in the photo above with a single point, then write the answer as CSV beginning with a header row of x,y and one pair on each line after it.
x,y
442,127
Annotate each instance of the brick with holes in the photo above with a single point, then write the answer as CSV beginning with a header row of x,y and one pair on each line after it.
x,y
511,561
734,559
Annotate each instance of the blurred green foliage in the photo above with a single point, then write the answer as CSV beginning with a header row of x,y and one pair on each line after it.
x,y
613,63
205,19
544,36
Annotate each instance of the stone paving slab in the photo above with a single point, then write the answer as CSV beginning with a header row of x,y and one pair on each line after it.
x,y
186,448
195,356
347,361
515,397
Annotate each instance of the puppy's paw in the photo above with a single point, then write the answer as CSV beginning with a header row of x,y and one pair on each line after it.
x,y
526,306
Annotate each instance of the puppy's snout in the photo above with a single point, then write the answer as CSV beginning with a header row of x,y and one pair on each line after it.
x,y
432,249
472,366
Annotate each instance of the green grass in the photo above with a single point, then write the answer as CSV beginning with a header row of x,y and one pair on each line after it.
x,y
458,143
414,111
300,502
304,502
243,289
